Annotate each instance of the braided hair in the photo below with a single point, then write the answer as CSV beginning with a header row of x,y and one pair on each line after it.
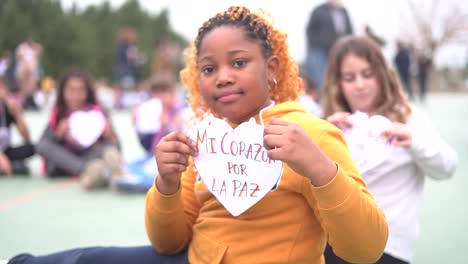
x,y
258,27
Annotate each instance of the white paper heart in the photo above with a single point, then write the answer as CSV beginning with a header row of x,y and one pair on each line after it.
x,y
86,126
233,163
148,115
366,144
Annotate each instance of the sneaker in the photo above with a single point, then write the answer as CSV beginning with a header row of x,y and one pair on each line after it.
x,y
19,167
93,175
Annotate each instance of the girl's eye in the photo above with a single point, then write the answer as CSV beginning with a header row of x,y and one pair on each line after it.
x,y
368,74
347,77
240,63
207,70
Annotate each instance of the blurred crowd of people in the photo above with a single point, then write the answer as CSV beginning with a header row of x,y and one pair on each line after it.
x,y
25,85
34,89
328,22
63,146
155,102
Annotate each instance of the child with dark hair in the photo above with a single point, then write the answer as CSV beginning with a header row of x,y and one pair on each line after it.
x,y
12,158
240,69
95,162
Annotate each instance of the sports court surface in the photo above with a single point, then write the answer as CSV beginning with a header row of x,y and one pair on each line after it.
x,y
41,216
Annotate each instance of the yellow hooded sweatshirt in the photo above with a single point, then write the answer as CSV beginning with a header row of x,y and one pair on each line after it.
x,y
289,225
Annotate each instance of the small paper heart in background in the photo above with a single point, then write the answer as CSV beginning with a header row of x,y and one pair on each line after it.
x,y
148,116
86,126
233,163
366,144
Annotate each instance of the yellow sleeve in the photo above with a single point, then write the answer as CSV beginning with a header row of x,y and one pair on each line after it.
x,y
355,225
169,218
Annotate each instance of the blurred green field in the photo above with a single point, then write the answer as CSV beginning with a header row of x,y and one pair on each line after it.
x,y
42,216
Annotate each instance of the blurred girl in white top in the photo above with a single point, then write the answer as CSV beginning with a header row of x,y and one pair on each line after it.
x,y
359,79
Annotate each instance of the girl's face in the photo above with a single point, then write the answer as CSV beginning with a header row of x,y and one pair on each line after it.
x,y
234,74
359,83
75,93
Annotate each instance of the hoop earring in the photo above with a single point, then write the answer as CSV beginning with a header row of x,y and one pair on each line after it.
x,y
274,82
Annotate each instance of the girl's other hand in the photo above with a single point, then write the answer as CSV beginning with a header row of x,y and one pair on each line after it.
x,y
288,142
399,134
108,132
340,120
173,153
62,129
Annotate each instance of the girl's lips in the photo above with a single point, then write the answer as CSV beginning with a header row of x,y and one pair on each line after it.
x,y
361,96
228,97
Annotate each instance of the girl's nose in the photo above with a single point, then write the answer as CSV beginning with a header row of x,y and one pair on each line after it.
x,y
224,77
359,82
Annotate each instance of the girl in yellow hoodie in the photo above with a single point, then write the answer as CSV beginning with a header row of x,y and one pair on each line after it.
x,y
240,67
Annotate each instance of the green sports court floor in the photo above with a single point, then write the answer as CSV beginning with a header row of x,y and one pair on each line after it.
x,y
40,216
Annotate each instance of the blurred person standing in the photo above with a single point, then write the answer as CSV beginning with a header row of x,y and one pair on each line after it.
x,y
127,59
28,70
166,59
328,22
424,63
402,62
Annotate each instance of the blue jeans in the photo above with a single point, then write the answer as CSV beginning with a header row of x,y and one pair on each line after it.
x,y
316,64
104,255
146,141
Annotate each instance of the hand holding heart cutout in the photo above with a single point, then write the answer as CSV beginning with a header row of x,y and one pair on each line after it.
x,y
233,163
86,127
367,145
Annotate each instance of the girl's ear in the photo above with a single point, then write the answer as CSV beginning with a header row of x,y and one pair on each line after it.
x,y
272,67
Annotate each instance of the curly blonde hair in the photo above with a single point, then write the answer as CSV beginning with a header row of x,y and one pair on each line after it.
x,y
392,102
258,26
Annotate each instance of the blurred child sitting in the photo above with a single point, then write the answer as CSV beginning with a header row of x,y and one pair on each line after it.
x,y
61,145
308,96
152,120
159,115
12,159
